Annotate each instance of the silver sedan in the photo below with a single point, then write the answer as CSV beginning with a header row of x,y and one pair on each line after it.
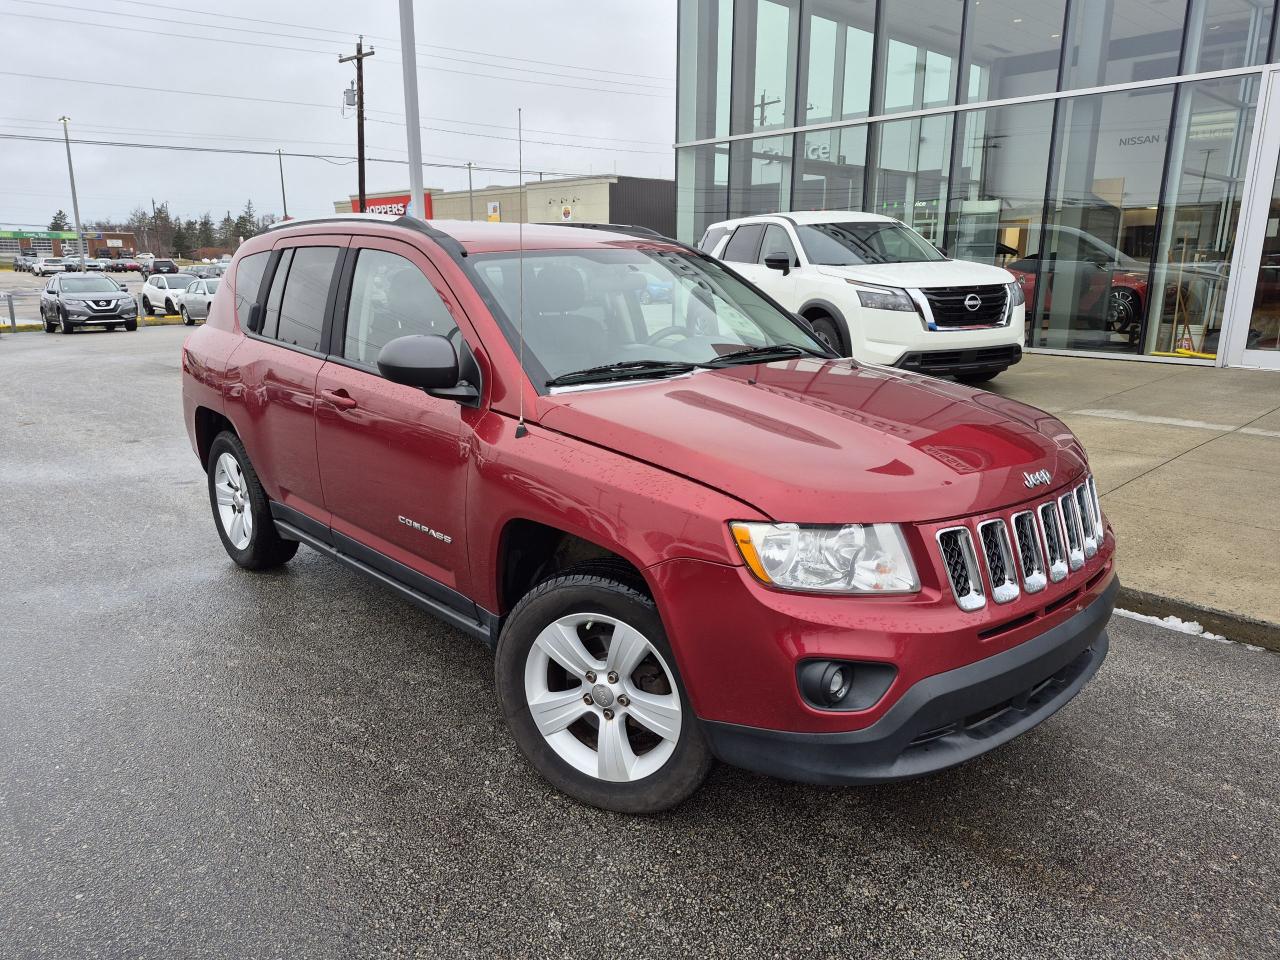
x,y
193,302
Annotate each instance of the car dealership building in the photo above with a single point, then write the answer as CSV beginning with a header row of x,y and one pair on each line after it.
x,y
1118,156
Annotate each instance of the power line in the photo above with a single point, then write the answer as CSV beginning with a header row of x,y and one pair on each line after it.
x,y
346,35
242,151
272,46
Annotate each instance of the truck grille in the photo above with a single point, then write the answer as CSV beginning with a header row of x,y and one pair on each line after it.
x,y
970,306
1020,553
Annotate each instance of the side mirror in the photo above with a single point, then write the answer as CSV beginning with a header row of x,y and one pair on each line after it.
x,y
255,317
430,363
941,249
778,261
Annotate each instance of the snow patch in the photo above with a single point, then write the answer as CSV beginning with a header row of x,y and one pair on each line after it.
x,y
1181,626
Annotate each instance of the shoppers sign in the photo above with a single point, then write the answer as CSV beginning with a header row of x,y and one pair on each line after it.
x,y
397,205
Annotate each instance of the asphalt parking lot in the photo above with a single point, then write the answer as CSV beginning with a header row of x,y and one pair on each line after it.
x,y
196,761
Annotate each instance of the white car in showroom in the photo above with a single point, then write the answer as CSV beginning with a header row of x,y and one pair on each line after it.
x,y
874,289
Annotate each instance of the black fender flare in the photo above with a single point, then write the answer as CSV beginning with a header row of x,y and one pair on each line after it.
x,y
831,310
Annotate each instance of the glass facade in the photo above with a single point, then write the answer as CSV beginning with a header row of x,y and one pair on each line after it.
x,y
1112,188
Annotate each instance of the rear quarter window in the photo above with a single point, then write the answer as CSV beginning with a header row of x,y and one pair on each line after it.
x,y
744,243
248,280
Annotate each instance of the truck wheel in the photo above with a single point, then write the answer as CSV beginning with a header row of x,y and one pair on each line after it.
x,y
588,685
241,510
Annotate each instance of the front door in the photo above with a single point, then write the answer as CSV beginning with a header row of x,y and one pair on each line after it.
x,y
393,459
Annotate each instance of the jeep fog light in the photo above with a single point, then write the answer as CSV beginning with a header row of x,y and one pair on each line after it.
x,y
852,558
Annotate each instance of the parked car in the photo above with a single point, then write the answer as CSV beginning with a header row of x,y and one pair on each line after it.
x,y
70,302
95,264
125,265
874,289
714,539
158,265
200,270
160,291
193,302
22,262
43,266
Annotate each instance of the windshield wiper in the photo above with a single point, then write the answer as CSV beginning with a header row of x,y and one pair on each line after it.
x,y
773,351
622,370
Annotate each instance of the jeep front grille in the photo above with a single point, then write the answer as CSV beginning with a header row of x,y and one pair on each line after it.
x,y
956,546
1026,551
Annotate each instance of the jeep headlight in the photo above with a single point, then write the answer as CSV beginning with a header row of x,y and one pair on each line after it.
x,y
848,558
883,298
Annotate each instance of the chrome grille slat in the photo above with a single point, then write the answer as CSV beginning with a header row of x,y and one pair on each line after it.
x,y
1084,510
1054,542
956,547
1075,536
1028,549
996,551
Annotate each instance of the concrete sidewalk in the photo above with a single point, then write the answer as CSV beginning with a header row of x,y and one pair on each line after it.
x,y
1187,461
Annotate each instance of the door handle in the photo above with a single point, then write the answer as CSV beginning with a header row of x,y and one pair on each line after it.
x,y
339,398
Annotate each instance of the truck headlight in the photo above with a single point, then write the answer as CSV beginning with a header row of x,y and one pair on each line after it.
x,y
884,298
851,558
1016,297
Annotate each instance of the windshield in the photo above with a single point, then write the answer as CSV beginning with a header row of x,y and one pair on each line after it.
x,y
856,243
88,285
179,281
598,307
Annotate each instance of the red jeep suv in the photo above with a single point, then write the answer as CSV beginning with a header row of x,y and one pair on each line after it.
x,y
686,529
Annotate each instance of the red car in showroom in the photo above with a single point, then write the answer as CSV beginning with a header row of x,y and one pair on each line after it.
x,y
686,529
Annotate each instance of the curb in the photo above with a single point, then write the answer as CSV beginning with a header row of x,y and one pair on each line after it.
x,y
172,321
1233,626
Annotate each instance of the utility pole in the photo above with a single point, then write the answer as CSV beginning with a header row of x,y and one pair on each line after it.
x,y
75,202
284,201
471,199
412,122
359,58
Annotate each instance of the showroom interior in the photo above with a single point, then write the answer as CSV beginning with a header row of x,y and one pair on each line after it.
x,y
1119,157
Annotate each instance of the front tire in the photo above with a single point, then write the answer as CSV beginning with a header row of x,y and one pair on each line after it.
x,y
168,308
828,331
146,305
982,376
131,325
186,319
241,510
635,745
64,325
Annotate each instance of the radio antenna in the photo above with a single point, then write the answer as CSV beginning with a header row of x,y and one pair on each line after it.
x,y
520,427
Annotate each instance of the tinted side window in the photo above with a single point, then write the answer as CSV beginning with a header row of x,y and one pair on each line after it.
x,y
776,241
711,238
390,298
306,296
248,280
271,314
744,243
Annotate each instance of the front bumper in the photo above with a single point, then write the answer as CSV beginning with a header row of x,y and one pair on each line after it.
x,y
953,362
942,720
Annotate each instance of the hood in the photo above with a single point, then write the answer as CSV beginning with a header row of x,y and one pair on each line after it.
x,y
940,273
829,441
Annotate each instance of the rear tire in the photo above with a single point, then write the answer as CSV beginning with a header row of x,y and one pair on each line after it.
x,y
637,747
241,509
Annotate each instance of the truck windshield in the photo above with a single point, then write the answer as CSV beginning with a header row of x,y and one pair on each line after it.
x,y
864,242
661,311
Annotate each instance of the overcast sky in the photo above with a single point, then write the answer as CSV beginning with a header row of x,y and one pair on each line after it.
x,y
596,79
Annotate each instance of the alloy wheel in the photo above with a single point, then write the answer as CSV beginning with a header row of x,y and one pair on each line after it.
x,y
602,697
235,512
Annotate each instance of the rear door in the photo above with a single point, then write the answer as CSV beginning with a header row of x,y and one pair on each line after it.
x,y
279,362
393,459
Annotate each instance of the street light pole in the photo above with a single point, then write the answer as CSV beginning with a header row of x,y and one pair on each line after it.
x,y
413,128
284,201
75,202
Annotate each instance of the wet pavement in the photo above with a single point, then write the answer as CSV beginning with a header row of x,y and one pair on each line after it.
x,y
197,761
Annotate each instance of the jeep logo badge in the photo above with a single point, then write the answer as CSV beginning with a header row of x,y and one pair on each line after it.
x,y
1037,479
972,302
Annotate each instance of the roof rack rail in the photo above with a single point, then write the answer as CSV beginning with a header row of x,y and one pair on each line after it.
x,y
329,218
630,228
